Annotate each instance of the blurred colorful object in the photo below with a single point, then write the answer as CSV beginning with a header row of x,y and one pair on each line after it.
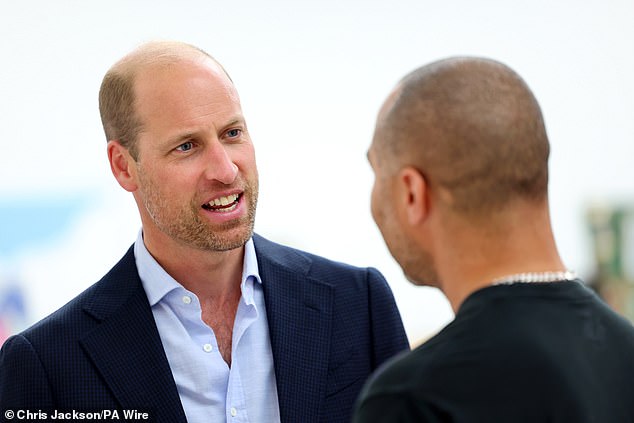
x,y
13,315
35,221
612,229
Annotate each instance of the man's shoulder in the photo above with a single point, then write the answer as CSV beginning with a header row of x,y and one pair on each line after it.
x,y
290,257
392,383
426,368
405,371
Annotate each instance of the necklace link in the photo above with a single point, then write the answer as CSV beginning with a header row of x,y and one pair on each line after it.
x,y
535,277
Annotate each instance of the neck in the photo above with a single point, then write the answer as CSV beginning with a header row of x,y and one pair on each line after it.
x,y
519,243
208,274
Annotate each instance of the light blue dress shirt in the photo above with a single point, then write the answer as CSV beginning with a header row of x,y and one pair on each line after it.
x,y
209,389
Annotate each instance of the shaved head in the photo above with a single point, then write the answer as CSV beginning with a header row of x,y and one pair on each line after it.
x,y
471,126
117,96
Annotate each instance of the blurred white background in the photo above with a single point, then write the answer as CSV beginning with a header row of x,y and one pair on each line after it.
x,y
312,76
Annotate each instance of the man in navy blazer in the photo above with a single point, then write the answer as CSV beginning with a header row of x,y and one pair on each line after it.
x,y
201,320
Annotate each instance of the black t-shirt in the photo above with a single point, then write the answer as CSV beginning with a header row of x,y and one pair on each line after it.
x,y
541,352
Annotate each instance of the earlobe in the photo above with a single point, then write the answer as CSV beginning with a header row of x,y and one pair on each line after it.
x,y
122,165
415,195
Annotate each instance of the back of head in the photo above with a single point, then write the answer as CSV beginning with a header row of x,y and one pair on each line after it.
x,y
473,128
116,95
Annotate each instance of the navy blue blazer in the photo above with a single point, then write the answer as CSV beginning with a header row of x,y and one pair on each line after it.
x,y
330,325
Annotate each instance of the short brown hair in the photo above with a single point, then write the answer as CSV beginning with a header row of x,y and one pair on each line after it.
x,y
472,126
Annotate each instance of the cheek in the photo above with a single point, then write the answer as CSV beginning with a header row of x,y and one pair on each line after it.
x,y
244,158
374,203
165,181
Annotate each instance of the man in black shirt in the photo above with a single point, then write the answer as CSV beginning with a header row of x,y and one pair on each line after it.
x,y
460,155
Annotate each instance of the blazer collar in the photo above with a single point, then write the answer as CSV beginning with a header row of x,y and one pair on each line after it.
x,y
126,348
299,312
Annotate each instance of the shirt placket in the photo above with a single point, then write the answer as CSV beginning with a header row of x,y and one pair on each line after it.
x,y
246,315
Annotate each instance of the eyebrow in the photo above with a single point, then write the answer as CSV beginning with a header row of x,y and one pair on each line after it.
x,y
235,121
180,137
192,134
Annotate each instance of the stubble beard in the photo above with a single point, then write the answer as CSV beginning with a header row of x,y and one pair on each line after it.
x,y
420,269
417,265
187,227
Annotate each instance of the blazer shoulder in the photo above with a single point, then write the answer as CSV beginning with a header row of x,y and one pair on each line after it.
x,y
312,265
89,306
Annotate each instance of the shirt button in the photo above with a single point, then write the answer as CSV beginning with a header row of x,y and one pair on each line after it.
x,y
207,347
234,412
187,299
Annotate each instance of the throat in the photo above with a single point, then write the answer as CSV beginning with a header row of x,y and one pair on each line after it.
x,y
220,317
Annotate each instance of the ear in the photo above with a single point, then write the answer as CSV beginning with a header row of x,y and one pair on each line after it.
x,y
414,195
123,166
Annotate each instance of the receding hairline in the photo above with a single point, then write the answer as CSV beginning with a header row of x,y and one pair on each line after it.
x,y
157,53
117,97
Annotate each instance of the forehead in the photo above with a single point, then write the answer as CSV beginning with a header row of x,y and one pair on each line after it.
x,y
187,91
184,80
384,113
389,103
377,142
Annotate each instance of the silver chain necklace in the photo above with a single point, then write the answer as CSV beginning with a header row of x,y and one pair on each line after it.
x,y
535,277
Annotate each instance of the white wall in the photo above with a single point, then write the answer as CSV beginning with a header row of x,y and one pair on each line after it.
x,y
312,75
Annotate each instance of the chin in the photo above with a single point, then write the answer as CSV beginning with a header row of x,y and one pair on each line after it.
x,y
417,281
422,278
232,240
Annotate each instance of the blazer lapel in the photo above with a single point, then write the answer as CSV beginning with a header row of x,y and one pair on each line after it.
x,y
299,312
126,348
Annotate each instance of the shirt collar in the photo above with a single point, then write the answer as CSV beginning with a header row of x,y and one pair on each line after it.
x,y
157,283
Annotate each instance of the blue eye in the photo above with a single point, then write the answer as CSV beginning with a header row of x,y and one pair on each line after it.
x,y
234,133
186,146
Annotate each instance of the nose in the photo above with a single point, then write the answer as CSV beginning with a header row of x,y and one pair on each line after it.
x,y
220,166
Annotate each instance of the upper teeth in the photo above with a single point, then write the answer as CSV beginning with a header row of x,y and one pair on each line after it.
x,y
223,201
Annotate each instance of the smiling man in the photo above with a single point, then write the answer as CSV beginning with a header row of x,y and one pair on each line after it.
x,y
201,320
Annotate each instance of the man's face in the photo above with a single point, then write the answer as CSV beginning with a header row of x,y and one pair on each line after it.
x,y
196,172
387,211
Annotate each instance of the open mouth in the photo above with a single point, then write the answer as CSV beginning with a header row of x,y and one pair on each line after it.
x,y
223,204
